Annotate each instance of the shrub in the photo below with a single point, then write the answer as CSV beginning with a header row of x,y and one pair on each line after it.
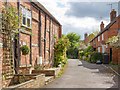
x,y
25,50
96,56
60,51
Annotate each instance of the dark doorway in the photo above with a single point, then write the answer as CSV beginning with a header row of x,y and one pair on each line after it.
x,y
94,49
110,54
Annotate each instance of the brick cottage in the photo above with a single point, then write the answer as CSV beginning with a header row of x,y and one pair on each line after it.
x,y
45,29
99,42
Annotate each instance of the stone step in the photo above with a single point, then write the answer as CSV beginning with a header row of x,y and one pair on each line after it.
x,y
49,79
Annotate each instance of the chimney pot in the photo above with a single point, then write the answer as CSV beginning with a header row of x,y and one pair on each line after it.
x,y
85,36
112,15
101,26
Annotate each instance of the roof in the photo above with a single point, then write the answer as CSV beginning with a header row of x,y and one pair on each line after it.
x,y
45,10
106,28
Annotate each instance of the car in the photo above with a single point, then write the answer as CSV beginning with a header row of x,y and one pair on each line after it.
x,y
99,62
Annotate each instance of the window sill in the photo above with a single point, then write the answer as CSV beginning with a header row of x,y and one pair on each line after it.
x,y
24,66
30,28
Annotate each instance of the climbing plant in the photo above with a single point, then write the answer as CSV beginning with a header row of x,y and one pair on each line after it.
x,y
114,41
60,51
9,30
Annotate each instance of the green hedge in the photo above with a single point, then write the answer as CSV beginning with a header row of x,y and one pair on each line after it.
x,y
96,56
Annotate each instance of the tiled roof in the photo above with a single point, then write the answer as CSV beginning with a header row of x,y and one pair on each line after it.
x,y
106,28
45,10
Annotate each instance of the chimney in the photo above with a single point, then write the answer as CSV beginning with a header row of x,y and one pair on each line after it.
x,y
85,35
101,26
112,15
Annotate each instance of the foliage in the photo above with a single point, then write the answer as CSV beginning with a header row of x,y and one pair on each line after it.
x,y
60,51
10,26
96,56
38,67
86,53
114,41
25,50
10,20
74,39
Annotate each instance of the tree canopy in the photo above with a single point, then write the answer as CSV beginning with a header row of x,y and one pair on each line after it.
x,y
74,39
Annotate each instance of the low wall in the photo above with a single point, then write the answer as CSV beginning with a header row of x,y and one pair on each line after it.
x,y
48,72
37,82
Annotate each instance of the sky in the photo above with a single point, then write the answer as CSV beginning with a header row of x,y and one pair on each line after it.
x,y
80,16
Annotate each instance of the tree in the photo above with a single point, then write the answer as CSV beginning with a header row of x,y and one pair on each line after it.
x,y
74,39
114,41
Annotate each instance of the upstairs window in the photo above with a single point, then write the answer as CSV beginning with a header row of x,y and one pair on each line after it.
x,y
26,17
98,38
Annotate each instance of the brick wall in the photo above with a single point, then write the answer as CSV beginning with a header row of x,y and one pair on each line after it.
x,y
0,51
35,35
47,40
42,34
52,28
25,40
37,82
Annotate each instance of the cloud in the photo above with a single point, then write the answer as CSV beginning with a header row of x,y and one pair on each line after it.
x,y
89,9
77,16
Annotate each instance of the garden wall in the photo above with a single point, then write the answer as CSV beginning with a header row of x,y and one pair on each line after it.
x,y
37,82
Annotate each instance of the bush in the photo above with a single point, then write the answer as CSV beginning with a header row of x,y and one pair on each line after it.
x,y
96,56
86,53
60,51
25,50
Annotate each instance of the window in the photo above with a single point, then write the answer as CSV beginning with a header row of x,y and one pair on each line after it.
x,y
103,49
98,49
26,17
98,38
24,20
102,36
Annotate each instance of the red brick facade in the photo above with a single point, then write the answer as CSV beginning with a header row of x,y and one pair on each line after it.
x,y
99,42
39,37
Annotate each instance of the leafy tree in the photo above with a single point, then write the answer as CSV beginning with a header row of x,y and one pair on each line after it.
x,y
74,39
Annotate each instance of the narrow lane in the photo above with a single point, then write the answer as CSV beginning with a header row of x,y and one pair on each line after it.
x,y
81,74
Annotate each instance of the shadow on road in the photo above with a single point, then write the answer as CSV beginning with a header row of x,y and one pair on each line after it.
x,y
102,70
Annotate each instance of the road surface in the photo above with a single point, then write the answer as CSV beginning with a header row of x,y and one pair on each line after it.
x,y
81,74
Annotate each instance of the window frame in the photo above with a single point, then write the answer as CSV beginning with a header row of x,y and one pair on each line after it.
x,y
98,38
28,15
98,49
102,36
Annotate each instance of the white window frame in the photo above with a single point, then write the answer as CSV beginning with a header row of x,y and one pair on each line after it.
x,y
103,49
28,15
98,49
102,36
98,38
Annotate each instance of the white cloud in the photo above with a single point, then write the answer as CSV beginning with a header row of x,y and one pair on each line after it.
x,y
70,24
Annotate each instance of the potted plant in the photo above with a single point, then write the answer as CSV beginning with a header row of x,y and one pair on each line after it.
x,y
25,51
